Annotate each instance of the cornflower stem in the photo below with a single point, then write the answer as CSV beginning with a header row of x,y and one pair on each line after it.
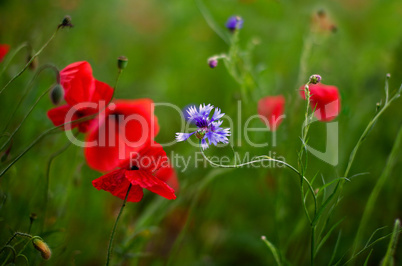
x,y
110,248
50,130
47,66
30,61
47,181
12,55
260,159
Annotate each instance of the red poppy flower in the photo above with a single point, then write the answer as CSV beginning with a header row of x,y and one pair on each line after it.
x,y
271,109
169,176
324,100
4,48
124,127
84,96
139,172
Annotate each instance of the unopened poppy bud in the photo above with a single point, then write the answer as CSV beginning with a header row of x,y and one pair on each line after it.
x,y
234,23
33,217
66,22
212,62
314,79
122,62
200,134
56,94
43,248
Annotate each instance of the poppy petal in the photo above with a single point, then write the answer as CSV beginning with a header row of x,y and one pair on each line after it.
x,y
58,116
271,109
168,175
124,128
325,100
150,158
116,183
102,92
146,180
4,48
78,82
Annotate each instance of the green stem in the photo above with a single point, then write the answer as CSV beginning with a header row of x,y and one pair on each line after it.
x,y
366,131
12,55
46,197
312,245
376,190
110,248
263,159
50,130
30,61
33,106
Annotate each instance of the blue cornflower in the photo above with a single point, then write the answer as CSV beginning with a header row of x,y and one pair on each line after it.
x,y
234,23
208,129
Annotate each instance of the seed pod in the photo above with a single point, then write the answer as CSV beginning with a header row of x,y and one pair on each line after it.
x,y
122,62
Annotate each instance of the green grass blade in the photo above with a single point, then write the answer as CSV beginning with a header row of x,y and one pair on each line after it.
x,y
389,256
273,249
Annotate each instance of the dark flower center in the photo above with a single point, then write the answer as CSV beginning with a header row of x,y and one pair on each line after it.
x,y
135,168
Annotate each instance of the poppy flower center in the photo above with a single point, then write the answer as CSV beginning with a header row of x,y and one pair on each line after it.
x,y
134,168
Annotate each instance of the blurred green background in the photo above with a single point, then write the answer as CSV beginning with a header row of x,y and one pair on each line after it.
x,y
224,213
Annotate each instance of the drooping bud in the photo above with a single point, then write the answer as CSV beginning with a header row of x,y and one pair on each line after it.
x,y
212,62
66,22
122,62
43,248
200,134
234,23
314,79
56,94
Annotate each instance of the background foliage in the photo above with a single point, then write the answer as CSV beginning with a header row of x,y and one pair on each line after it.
x,y
227,211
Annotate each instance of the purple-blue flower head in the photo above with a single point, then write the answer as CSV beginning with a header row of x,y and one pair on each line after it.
x,y
234,23
213,62
209,129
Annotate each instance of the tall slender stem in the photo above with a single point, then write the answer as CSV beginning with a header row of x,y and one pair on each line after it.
x,y
29,62
12,55
110,249
49,164
312,244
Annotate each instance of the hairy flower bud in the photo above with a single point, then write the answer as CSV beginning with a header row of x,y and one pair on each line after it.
x,y
122,62
56,94
212,62
234,23
314,79
66,22
43,248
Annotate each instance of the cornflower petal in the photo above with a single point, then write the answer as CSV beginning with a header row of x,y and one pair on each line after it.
x,y
183,136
